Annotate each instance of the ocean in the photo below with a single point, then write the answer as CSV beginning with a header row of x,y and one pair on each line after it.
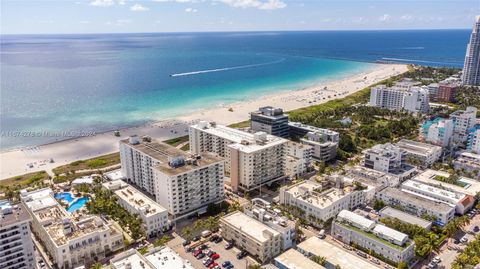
x,y
76,84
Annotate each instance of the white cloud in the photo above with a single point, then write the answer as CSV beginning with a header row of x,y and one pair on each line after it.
x,y
84,22
406,17
259,4
120,22
190,10
122,2
138,7
384,17
102,3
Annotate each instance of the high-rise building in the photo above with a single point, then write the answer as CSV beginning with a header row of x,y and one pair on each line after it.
x,y
269,120
463,120
251,160
184,184
16,245
323,141
413,99
473,139
471,68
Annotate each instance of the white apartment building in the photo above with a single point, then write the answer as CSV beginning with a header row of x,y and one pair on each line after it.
x,y
471,67
465,185
469,162
373,177
249,234
251,160
427,154
412,99
441,213
323,141
16,245
350,228
440,133
463,120
322,202
298,159
70,241
388,158
461,202
473,143
154,216
156,258
279,223
293,259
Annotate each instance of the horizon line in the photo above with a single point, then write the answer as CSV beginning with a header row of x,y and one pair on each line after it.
x,y
239,31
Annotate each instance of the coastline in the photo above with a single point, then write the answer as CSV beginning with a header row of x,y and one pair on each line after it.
x,y
14,162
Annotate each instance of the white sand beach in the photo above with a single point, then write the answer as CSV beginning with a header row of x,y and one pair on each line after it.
x,y
17,162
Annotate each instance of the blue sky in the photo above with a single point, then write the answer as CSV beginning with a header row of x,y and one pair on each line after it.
x,y
115,16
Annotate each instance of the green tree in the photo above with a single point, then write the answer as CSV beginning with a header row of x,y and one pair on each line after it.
x,y
97,266
402,265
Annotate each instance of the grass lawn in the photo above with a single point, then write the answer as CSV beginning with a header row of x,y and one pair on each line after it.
x,y
94,163
177,140
24,180
242,124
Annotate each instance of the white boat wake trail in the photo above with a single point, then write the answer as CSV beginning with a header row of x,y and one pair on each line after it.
x,y
225,68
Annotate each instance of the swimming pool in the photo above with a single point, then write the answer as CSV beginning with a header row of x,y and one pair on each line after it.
x,y
68,197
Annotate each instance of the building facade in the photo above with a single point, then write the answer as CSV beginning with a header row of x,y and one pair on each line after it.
x,y
471,67
270,120
424,154
323,141
473,139
463,120
16,245
251,160
69,241
154,217
351,228
249,234
298,159
412,99
438,132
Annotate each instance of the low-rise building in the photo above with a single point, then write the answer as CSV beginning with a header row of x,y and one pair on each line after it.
x,y
70,241
373,177
156,258
440,213
469,162
293,259
154,216
16,245
323,141
334,256
388,158
438,131
461,202
390,212
393,245
251,235
425,154
321,202
437,178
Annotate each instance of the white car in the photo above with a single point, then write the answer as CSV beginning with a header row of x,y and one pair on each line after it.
x,y
436,260
464,240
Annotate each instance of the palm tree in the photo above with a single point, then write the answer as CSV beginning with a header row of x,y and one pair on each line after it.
x,y
318,259
97,266
187,233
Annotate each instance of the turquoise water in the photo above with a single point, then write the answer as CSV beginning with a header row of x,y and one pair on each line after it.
x,y
68,197
73,84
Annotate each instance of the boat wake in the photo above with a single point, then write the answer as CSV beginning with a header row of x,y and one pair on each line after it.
x,y
226,68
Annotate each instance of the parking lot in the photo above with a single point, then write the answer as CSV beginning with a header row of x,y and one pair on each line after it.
x,y
225,255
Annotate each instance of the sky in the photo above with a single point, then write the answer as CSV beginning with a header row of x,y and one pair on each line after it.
x,y
130,16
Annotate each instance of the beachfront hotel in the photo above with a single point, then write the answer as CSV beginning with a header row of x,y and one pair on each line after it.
x,y
412,99
323,201
391,244
270,120
251,235
70,240
182,183
251,160
154,216
16,245
471,67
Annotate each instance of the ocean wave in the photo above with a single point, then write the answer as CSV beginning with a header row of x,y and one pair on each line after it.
x,y
414,61
413,48
225,68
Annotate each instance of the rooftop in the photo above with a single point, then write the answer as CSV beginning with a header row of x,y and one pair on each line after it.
x,y
418,148
294,259
417,200
312,128
404,217
355,219
130,259
451,196
385,150
166,258
115,174
139,201
390,233
465,185
167,154
249,226
12,214
270,112
241,140
312,192
334,254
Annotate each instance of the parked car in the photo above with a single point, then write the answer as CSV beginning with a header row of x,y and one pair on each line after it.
x,y
201,255
229,245
209,261
218,240
241,255
210,253
230,266
203,246
213,265
206,233
361,254
464,240
226,263
436,259
215,256
432,265
186,243
196,238
197,252
213,238
476,229
188,249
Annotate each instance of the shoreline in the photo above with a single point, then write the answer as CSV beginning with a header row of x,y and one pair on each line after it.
x,y
15,161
